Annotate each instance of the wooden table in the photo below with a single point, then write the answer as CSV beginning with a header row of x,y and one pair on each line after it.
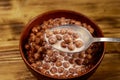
x,y
14,14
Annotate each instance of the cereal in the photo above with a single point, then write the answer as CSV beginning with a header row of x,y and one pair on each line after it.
x,y
53,70
89,56
89,51
78,43
59,37
49,53
63,44
32,38
66,58
36,56
71,46
52,40
67,38
38,34
60,69
75,35
27,47
49,33
63,31
71,70
38,63
62,53
47,73
78,61
78,23
31,60
37,40
57,64
75,55
66,64
34,65
53,58
82,54
34,30
37,47
56,31
71,60
46,66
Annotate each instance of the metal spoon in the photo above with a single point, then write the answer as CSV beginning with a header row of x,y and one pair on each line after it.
x,y
86,37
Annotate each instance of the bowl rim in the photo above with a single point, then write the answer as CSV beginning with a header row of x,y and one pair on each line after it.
x,y
47,13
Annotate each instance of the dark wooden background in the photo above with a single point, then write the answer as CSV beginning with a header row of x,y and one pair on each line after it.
x,y
15,14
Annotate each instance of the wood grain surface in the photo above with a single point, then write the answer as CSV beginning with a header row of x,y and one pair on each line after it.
x,y
15,14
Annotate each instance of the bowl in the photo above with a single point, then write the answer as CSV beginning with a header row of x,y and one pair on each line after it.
x,y
57,14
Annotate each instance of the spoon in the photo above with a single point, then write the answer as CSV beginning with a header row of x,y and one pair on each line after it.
x,y
85,36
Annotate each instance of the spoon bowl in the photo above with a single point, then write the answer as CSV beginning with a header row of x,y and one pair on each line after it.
x,y
85,37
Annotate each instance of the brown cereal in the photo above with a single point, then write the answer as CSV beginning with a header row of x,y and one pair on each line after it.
x,y
78,61
27,47
75,55
48,33
60,58
37,47
32,38
34,30
63,44
47,59
78,70
46,66
65,72
53,58
38,63
82,54
84,25
60,69
56,31
55,76
75,35
70,32
70,75
42,70
31,60
66,64
34,65
47,73
78,23
71,60
63,31
89,56
52,40
71,70
67,38
58,63
90,29
66,58
89,51
53,70
39,34
37,56
49,53
71,47
62,53
47,46
58,37
78,43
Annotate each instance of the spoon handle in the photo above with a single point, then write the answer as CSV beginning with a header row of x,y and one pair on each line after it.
x,y
106,39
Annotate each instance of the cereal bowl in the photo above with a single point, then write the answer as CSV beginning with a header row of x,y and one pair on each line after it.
x,y
47,63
